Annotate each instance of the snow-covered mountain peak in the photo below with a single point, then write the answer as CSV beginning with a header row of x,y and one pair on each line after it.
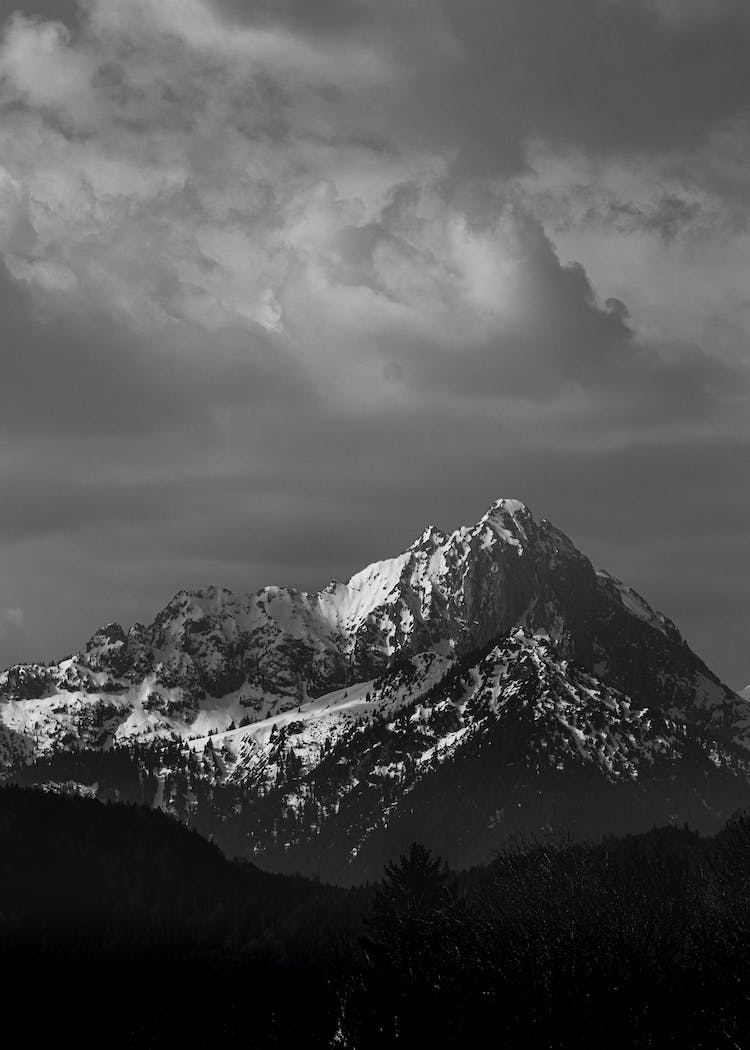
x,y
109,634
212,658
510,520
505,507
431,537
466,669
209,599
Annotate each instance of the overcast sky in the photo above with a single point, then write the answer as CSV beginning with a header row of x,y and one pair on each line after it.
x,y
282,281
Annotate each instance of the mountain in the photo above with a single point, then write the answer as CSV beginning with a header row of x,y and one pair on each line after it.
x,y
485,681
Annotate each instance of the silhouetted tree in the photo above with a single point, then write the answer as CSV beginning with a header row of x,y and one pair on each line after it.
x,y
410,935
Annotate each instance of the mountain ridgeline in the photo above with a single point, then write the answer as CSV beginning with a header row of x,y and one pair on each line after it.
x,y
485,682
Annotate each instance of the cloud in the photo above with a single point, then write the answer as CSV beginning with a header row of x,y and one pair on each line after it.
x,y
679,12
40,68
11,618
12,628
71,368
479,79
67,11
282,282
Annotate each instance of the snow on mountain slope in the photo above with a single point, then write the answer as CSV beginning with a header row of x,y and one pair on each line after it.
x,y
311,729
232,706
470,757
212,658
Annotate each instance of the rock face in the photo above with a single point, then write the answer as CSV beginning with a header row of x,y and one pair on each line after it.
x,y
489,675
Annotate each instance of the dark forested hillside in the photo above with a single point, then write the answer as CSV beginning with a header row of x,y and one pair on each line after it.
x,y
122,920
131,929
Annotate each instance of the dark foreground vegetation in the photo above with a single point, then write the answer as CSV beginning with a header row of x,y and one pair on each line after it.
x,y
121,928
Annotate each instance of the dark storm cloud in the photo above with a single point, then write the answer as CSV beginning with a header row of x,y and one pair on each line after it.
x,y
386,475
71,368
37,503
281,298
608,75
320,16
668,216
602,74
549,330
67,11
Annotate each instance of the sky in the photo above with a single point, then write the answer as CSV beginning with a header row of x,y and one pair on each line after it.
x,y
282,281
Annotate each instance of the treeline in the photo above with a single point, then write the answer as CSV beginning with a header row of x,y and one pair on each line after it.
x,y
642,941
120,926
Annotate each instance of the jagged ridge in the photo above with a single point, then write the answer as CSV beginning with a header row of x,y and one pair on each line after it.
x,y
266,696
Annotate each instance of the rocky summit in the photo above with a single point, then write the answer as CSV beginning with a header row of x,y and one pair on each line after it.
x,y
485,683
